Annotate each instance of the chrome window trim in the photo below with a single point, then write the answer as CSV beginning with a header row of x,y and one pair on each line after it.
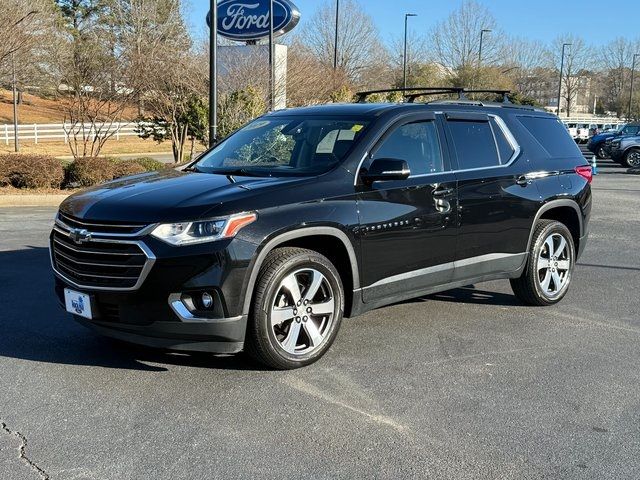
x,y
506,132
148,264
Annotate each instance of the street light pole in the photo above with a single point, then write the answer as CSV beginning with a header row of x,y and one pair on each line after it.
x,y
633,69
404,58
272,76
482,32
564,45
335,41
213,73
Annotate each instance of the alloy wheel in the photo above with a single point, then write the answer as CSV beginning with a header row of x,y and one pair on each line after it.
x,y
554,265
303,311
633,158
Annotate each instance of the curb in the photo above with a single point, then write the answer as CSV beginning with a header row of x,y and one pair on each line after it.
x,y
31,200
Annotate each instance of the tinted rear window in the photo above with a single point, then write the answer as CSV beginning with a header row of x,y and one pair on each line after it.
x,y
475,144
553,137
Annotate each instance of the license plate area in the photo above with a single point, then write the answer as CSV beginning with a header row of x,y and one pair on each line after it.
x,y
78,303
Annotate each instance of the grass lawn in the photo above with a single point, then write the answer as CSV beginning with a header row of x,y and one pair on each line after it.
x,y
112,147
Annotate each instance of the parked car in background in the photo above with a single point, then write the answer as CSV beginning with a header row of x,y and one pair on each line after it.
x,y
572,128
626,150
582,132
598,145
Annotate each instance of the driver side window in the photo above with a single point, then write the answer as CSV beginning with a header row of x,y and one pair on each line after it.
x,y
417,143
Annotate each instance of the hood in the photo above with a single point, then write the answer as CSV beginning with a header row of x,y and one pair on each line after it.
x,y
168,196
604,136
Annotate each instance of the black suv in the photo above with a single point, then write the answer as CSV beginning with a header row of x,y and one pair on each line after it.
x,y
307,215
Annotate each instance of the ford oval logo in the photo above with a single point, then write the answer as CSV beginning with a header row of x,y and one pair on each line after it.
x,y
248,20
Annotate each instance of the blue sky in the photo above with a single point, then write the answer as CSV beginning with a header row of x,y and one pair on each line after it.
x,y
596,21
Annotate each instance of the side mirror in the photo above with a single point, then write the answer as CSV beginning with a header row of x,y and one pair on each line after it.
x,y
386,169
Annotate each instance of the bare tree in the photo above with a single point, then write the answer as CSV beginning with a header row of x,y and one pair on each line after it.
x,y
418,58
577,62
359,45
456,40
615,60
23,24
525,63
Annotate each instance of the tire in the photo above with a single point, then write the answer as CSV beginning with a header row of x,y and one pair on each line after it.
x,y
287,328
632,158
546,277
601,152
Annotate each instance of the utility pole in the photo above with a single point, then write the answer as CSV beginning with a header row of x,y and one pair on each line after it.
x,y
404,58
633,69
564,45
272,75
213,73
16,142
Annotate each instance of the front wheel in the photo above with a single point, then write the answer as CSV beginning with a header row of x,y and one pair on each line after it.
x,y
601,152
546,277
297,309
632,158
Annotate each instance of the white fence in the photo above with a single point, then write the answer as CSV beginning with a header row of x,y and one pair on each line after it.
x,y
57,131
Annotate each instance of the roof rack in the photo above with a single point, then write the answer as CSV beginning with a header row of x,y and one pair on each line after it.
x,y
417,92
362,96
411,98
504,93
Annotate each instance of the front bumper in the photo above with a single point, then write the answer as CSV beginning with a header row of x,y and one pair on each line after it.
x,y
154,314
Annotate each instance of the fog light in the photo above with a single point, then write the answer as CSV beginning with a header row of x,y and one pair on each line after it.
x,y
207,300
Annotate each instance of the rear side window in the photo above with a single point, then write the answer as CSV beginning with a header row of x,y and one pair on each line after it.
x,y
474,143
550,133
505,148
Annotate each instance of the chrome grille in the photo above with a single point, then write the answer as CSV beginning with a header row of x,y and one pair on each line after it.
x,y
101,228
100,264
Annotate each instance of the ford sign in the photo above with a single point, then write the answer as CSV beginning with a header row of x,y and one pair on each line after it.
x,y
248,20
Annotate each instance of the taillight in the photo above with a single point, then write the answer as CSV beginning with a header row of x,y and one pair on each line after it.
x,y
585,172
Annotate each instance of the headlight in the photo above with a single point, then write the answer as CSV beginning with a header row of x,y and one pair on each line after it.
x,y
201,231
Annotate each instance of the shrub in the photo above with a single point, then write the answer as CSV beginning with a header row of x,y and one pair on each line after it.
x,y
31,171
86,172
122,168
149,164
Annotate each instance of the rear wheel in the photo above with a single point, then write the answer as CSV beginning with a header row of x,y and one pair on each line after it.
x,y
297,309
546,277
632,158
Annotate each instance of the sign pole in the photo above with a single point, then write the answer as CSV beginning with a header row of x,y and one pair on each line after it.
x,y
272,75
16,142
213,73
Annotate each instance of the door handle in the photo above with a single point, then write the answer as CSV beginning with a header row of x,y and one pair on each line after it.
x,y
523,181
442,193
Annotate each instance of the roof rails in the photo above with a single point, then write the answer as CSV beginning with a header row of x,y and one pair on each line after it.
x,y
361,97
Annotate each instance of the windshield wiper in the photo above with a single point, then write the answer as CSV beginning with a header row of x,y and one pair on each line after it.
x,y
240,172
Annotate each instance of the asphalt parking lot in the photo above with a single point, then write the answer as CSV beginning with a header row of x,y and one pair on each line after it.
x,y
463,384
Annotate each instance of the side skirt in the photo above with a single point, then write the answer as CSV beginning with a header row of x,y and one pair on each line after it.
x,y
464,274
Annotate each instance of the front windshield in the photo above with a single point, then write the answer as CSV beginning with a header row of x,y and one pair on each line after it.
x,y
284,146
